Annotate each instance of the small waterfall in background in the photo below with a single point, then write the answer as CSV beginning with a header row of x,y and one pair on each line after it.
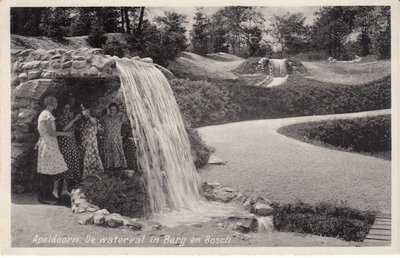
x,y
164,148
279,67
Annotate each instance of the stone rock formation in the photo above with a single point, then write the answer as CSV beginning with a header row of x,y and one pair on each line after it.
x,y
38,73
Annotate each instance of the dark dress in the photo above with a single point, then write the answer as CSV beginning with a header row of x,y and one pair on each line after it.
x,y
70,151
112,150
129,145
91,159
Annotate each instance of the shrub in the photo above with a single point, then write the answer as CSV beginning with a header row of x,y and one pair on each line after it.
x,y
300,96
202,103
323,219
118,193
250,66
97,38
311,56
366,135
200,150
114,49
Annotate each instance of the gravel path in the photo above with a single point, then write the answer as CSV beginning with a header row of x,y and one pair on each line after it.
x,y
262,162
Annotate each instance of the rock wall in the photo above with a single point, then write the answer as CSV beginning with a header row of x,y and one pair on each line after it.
x,y
38,73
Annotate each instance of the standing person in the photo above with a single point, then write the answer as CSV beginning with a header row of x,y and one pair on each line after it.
x,y
68,145
51,165
129,145
89,128
114,157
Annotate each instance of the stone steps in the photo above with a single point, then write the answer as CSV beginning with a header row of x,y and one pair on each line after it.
x,y
380,233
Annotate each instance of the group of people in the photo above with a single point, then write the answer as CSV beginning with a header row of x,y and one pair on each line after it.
x,y
75,142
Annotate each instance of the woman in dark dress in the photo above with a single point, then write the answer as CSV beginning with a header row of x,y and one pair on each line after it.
x,y
68,145
129,145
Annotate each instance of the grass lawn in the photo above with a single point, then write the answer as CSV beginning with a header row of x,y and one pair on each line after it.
x,y
369,136
348,73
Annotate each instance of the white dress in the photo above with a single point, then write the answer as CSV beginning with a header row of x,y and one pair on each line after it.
x,y
50,159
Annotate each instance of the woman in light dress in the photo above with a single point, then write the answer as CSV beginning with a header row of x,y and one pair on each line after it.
x,y
51,165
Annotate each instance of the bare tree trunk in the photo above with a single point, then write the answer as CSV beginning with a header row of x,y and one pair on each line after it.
x,y
139,27
127,22
122,20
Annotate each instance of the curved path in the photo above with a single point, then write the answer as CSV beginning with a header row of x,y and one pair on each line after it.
x,y
261,161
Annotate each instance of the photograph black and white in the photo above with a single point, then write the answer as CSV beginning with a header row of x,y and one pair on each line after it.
x,y
202,126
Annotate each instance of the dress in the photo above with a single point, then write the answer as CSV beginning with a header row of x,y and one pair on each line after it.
x,y
50,159
113,152
129,145
91,158
70,150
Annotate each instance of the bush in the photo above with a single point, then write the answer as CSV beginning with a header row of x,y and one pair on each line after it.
x,y
97,38
369,135
323,219
200,150
203,103
300,96
311,56
250,66
114,49
118,193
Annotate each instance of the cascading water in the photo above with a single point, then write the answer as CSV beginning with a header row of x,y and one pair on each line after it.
x,y
164,148
278,67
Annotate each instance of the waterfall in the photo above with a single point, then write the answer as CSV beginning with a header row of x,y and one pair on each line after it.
x,y
278,67
265,224
164,148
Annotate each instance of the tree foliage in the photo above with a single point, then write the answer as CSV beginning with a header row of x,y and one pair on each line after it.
x,y
290,32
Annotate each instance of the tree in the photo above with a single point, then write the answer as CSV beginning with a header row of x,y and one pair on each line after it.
x,y
365,23
381,37
162,40
241,26
26,21
331,27
173,31
55,22
201,33
289,32
140,23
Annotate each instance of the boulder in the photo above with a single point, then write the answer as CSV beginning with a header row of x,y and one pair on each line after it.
x,y
220,194
246,225
214,160
262,209
67,64
92,71
23,76
34,89
147,59
102,212
34,74
31,65
113,220
78,64
86,219
78,58
26,115
98,219
56,57
133,224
